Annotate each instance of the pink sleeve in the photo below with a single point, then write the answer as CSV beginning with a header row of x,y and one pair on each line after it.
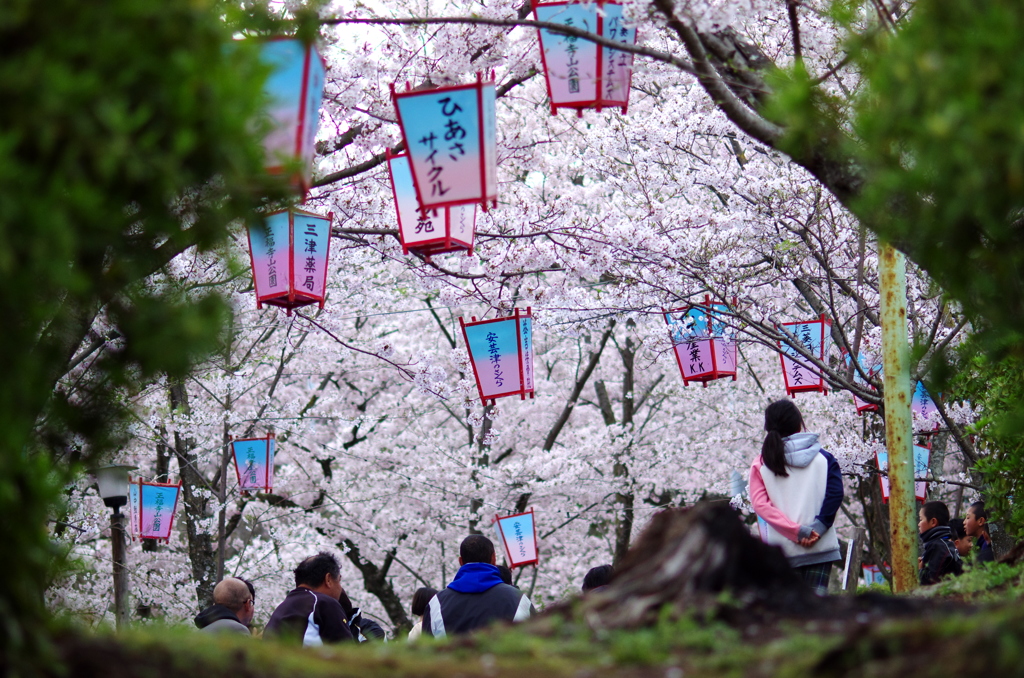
x,y
764,507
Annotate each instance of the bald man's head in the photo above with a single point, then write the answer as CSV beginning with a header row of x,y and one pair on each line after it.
x,y
234,594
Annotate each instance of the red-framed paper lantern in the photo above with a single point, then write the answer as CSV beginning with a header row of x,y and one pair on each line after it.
x,y
923,407
858,402
154,506
289,253
254,462
501,352
922,460
432,231
799,375
450,135
294,89
580,74
704,347
518,535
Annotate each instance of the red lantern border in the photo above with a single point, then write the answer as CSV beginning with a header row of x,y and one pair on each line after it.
x,y
508,553
522,391
288,302
174,510
479,87
597,104
428,248
881,486
866,407
304,185
822,386
714,373
269,486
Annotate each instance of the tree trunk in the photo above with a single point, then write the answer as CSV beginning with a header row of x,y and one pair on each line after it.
x,y
375,581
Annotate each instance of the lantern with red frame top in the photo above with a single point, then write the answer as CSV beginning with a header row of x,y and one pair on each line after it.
x,y
288,253
579,73
518,534
924,409
704,345
294,89
157,504
799,373
922,460
501,352
432,231
450,134
858,402
254,462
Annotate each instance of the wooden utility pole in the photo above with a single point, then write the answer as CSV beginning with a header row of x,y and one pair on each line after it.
x,y
120,553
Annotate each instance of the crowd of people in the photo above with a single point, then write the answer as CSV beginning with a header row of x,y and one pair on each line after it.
x,y
796,489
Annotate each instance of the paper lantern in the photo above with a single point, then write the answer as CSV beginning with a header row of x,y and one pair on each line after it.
x,y
501,351
294,88
518,534
428,232
451,138
924,409
797,371
579,74
133,508
288,253
254,462
922,458
861,404
705,348
872,574
155,504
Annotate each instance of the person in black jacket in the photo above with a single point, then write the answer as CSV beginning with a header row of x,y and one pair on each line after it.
x,y
477,596
939,556
976,525
363,629
311,614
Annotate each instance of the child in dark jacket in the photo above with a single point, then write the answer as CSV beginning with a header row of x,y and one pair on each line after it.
x,y
939,556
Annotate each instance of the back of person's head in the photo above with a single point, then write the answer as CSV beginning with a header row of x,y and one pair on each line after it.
x,y
232,593
781,419
421,598
598,576
936,510
312,571
505,574
346,604
476,548
956,526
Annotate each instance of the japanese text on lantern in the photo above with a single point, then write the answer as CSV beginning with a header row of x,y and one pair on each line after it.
x,y
454,134
527,348
271,262
158,503
495,357
573,62
520,539
310,250
696,366
250,464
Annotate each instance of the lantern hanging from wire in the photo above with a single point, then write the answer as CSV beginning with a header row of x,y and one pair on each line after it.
x,y
518,534
579,73
924,410
799,373
254,462
451,137
858,378
704,345
501,352
432,231
155,505
288,253
922,460
294,90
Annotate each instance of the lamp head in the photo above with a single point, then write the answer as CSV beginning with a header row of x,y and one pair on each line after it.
x,y
112,483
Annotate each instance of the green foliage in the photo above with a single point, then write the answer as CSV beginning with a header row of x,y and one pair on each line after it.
x,y
128,133
986,583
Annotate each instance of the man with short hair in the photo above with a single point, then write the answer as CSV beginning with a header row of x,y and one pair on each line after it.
x,y
232,609
311,614
477,596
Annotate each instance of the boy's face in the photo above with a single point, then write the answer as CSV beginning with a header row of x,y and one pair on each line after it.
x,y
925,523
963,546
972,526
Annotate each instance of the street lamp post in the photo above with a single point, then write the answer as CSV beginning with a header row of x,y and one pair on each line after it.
x,y
112,482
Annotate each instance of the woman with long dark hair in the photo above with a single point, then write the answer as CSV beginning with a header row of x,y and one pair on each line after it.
x,y
796,488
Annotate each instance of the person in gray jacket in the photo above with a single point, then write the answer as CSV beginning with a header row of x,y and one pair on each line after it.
x,y
477,596
232,610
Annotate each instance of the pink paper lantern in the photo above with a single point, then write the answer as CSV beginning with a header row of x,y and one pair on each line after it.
x,y
797,371
922,459
428,232
501,352
157,505
580,74
859,403
295,89
703,344
254,462
450,134
288,253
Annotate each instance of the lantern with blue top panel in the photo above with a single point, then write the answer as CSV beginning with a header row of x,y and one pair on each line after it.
x,y
289,254
799,372
501,352
704,344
